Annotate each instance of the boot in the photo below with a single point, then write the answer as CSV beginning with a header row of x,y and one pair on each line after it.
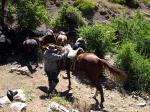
x,y
52,86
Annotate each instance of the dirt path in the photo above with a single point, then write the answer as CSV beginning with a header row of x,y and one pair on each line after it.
x,y
36,101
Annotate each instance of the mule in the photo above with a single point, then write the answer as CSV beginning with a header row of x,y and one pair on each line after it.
x,y
30,48
62,39
80,42
45,39
93,68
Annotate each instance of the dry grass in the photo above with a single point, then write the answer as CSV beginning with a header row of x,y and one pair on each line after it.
x,y
112,6
117,8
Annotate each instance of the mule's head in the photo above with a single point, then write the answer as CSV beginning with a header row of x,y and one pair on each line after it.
x,y
80,42
61,39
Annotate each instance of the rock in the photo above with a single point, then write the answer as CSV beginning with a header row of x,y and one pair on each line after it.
x,y
18,106
142,104
107,17
58,3
103,12
4,100
22,70
12,70
95,111
74,110
55,106
136,97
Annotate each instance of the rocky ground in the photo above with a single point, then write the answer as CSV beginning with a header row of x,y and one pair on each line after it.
x,y
81,94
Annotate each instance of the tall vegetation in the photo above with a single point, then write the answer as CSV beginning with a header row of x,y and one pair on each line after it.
x,y
137,68
133,56
136,30
31,13
130,3
27,13
86,6
99,38
130,37
68,18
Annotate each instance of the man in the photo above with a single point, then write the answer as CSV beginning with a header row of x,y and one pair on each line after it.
x,y
52,57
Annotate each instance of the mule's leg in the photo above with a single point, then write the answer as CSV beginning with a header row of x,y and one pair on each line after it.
x,y
68,75
100,89
96,93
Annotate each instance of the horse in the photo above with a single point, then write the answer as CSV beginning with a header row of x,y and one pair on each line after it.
x,y
93,68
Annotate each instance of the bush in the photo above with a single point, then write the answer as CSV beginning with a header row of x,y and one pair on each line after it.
x,y
137,68
135,29
99,38
31,13
86,6
11,11
130,3
118,1
147,2
68,18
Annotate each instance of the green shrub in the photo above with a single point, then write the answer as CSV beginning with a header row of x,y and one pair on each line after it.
x,y
135,29
99,38
68,18
31,13
146,2
118,1
86,6
11,11
137,68
130,3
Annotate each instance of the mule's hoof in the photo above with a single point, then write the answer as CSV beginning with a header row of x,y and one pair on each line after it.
x,y
69,87
101,105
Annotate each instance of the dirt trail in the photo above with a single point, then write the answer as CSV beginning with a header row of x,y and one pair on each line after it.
x,y
36,101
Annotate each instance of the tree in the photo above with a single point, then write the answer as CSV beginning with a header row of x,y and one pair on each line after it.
x,y
3,13
28,13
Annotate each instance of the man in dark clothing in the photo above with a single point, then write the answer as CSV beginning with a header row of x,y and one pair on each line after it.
x,y
52,57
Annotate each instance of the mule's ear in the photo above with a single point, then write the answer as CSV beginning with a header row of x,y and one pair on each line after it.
x,y
62,33
80,50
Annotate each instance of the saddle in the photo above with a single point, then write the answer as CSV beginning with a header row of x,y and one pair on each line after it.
x,y
73,53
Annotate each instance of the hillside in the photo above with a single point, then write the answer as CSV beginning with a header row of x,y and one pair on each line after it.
x,y
80,97
37,101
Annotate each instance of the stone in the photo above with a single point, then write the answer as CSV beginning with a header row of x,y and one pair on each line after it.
x,y
55,106
4,100
143,104
18,106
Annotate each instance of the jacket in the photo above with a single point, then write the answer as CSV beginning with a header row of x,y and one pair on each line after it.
x,y
51,60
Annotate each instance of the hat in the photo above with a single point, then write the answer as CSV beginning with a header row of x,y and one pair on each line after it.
x,y
11,94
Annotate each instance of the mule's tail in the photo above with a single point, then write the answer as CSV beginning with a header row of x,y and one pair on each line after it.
x,y
117,73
